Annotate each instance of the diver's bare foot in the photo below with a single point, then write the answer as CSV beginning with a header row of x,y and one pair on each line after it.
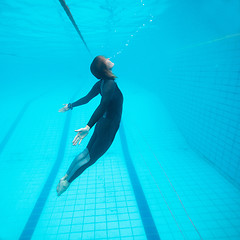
x,y
61,179
62,187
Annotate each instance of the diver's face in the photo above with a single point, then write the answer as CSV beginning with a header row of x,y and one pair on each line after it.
x,y
109,64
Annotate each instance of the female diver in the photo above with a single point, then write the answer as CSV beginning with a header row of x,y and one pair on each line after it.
x,y
107,117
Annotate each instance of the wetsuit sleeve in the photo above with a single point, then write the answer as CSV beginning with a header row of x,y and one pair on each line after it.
x,y
93,93
107,92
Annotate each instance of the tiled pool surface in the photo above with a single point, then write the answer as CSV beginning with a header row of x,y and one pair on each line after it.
x,y
186,198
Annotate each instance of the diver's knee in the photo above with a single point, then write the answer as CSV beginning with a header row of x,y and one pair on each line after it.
x,y
83,154
87,158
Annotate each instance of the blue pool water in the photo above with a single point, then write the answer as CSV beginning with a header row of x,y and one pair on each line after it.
x,y
173,170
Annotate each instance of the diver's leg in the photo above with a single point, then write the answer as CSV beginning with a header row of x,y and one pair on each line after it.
x,y
76,161
82,159
105,132
82,154
105,136
78,164
79,160
97,150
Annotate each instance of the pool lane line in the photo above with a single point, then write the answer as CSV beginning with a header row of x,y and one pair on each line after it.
x,y
40,203
68,12
145,213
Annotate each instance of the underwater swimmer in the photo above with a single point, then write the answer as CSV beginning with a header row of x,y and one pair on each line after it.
x,y
107,117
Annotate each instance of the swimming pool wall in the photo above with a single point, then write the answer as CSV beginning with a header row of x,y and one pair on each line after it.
x,y
202,90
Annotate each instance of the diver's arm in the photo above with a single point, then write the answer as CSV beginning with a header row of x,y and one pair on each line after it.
x,y
93,93
107,93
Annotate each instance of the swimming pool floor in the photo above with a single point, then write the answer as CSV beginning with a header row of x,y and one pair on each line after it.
x,y
186,197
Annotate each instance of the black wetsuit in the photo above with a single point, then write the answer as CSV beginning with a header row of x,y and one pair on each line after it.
x,y
107,117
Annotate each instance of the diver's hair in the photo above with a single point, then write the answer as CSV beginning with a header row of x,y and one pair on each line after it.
x,y
100,70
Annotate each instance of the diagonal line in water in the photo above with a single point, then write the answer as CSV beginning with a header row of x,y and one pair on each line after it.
x,y
13,126
68,12
16,121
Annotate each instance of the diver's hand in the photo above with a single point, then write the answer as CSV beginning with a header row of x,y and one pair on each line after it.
x,y
64,109
82,133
